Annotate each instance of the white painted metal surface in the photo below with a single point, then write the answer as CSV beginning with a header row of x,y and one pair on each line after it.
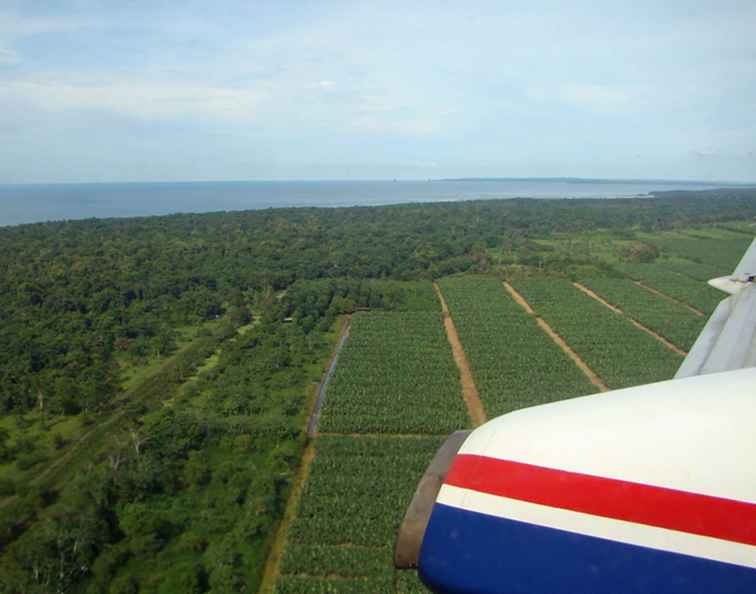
x,y
694,434
728,341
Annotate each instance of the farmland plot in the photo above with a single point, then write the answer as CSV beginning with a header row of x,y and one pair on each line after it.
x,y
513,362
342,539
724,254
672,321
663,277
395,375
697,270
620,353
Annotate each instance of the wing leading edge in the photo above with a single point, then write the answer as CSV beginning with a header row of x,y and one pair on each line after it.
x,y
727,341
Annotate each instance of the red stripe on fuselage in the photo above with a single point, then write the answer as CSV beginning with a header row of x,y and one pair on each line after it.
x,y
705,515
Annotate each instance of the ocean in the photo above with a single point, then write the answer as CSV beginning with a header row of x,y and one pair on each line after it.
x,y
30,203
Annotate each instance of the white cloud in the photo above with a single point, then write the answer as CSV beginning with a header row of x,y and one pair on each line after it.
x,y
8,56
592,96
420,165
16,26
396,127
139,99
704,153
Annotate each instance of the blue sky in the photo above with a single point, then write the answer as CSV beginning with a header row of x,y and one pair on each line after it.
x,y
158,90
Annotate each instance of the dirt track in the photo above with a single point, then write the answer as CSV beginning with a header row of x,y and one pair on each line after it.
x,y
560,342
634,322
273,563
469,390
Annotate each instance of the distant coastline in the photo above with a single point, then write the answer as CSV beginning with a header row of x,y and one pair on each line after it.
x,y
33,203
607,181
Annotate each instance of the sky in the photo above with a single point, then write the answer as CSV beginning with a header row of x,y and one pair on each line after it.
x,y
94,91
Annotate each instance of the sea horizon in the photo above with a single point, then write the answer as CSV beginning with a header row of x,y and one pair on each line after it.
x,y
23,203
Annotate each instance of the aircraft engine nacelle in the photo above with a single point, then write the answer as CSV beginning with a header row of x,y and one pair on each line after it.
x,y
647,490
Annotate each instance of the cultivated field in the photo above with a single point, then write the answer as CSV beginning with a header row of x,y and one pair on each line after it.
x,y
677,281
396,390
617,351
514,363
394,397
353,503
673,321
395,375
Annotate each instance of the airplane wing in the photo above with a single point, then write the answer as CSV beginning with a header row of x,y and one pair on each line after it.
x,y
727,340
645,490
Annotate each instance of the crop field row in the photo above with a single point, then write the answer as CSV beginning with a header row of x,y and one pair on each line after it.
x,y
342,539
724,254
746,227
622,355
674,322
696,270
660,276
514,363
396,375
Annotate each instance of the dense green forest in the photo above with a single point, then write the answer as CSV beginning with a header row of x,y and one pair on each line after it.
x,y
155,373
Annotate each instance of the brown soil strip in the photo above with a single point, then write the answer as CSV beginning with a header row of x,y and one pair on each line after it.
x,y
558,340
273,564
634,322
469,391
658,293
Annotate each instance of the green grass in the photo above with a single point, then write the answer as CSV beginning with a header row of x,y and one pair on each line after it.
x,y
42,432
134,374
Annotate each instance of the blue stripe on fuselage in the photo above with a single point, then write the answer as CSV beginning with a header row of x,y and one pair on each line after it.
x,y
469,552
